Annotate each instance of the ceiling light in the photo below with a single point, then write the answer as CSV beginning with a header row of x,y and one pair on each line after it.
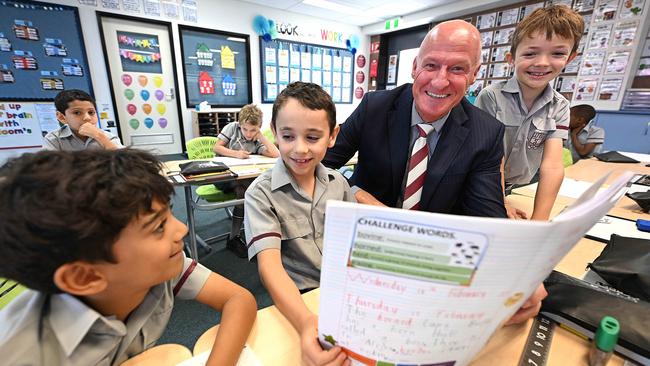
x,y
331,6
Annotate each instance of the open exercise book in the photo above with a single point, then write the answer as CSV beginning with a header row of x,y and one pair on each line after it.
x,y
417,288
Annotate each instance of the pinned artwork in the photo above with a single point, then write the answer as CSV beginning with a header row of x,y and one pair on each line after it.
x,y
51,84
139,52
162,122
227,58
159,94
148,122
358,92
142,80
157,81
146,108
161,108
129,94
24,29
134,123
204,55
206,83
228,85
131,108
127,79
144,94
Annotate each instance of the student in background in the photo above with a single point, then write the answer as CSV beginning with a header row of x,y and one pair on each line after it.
x,y
240,140
536,116
243,138
77,112
585,138
285,210
93,237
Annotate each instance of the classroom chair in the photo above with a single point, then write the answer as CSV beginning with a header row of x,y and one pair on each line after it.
x,y
567,158
8,291
202,148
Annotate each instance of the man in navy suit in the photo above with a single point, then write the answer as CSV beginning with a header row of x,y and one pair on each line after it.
x,y
465,147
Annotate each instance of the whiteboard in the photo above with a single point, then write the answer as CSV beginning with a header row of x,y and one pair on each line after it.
x,y
405,65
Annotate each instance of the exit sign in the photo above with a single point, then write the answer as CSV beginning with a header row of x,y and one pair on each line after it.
x,y
392,24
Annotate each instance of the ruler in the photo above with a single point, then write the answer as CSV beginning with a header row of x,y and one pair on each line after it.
x,y
538,342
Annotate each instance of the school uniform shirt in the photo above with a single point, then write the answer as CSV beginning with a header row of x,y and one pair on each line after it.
x,y
589,135
235,140
526,130
59,329
63,139
280,215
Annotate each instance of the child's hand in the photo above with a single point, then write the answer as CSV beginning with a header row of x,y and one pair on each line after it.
x,y
242,154
515,213
90,130
312,353
530,308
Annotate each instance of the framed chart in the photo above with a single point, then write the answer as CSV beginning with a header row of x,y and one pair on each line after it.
x,y
216,66
39,57
284,62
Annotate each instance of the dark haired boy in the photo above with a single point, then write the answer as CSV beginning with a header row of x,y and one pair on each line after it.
x,y
285,209
92,235
585,139
77,114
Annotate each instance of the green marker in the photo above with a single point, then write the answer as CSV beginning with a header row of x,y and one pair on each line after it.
x,y
604,341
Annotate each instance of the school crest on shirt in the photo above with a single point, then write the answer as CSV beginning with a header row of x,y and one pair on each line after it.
x,y
536,139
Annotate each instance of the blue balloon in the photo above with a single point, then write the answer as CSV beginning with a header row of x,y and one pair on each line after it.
x,y
260,25
148,122
144,94
267,37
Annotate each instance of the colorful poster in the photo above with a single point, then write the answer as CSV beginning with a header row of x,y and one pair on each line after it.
x,y
644,67
485,55
271,91
617,62
632,8
583,5
566,84
500,70
392,69
139,52
586,89
484,21
283,57
19,126
624,33
605,10
228,85
600,36
574,65
508,17
269,56
486,39
499,53
283,75
270,75
227,58
592,63
503,36
610,88
482,72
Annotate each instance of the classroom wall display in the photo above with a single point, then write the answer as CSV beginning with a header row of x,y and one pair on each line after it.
x,y
39,57
216,67
284,62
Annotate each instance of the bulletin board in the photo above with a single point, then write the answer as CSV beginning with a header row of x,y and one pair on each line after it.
x,y
40,57
613,39
284,62
216,67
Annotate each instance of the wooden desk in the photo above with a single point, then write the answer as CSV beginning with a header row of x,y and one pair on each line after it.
x,y
163,355
590,170
242,171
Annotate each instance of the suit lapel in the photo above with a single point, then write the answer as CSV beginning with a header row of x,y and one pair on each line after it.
x,y
449,145
398,129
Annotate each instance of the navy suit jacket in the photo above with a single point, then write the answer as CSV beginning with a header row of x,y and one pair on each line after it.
x,y
463,175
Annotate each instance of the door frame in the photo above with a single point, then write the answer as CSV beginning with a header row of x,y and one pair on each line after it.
x,y
101,15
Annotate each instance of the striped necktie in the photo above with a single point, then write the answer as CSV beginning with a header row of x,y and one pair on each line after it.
x,y
417,169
